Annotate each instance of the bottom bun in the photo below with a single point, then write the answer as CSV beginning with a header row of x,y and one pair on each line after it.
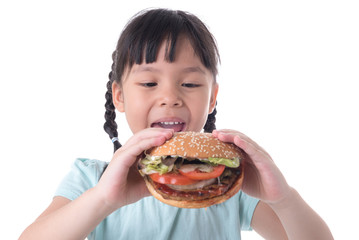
x,y
236,186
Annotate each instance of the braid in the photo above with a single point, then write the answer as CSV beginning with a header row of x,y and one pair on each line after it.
x,y
110,125
211,121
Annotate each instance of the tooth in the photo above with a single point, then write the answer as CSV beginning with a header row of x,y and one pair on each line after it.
x,y
170,123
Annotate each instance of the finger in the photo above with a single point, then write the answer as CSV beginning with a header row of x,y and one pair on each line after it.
x,y
126,156
130,153
253,150
242,141
226,131
124,160
148,133
225,135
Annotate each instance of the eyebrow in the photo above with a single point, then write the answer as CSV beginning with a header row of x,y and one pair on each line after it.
x,y
146,69
185,70
193,69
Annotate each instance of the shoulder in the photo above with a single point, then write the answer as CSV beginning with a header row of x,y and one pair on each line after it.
x,y
89,163
83,175
88,166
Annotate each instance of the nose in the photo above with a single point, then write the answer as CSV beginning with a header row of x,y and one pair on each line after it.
x,y
170,97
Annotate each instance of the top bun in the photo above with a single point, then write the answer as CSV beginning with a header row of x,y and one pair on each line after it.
x,y
196,145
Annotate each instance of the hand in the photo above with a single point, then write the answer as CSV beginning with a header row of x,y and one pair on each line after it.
x,y
121,183
262,178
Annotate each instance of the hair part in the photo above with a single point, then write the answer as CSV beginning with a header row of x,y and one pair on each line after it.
x,y
140,42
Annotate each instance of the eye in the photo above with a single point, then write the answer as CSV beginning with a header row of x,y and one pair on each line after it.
x,y
190,85
149,84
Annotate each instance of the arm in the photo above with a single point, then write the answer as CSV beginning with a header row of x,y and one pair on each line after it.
x,y
266,222
281,213
294,221
66,219
121,184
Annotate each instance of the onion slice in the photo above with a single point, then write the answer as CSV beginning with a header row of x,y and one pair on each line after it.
x,y
197,185
201,167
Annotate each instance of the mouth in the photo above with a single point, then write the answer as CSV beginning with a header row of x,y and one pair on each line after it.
x,y
177,126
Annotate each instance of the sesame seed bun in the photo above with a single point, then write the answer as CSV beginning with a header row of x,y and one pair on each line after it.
x,y
191,146
196,145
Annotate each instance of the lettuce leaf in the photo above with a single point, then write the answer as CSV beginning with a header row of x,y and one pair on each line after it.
x,y
154,165
232,163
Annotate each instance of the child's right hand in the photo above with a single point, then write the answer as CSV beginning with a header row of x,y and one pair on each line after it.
x,y
121,183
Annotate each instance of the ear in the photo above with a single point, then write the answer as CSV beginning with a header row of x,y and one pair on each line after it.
x,y
213,101
117,97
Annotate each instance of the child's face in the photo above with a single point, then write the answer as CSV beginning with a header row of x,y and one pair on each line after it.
x,y
177,95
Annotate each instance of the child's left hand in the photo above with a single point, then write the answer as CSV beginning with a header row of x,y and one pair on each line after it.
x,y
262,178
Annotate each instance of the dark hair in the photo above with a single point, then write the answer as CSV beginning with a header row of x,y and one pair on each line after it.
x,y
140,41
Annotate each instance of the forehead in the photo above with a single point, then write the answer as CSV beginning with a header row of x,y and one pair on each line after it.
x,y
185,60
182,52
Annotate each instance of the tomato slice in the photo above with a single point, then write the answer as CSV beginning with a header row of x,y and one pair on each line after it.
x,y
196,174
172,178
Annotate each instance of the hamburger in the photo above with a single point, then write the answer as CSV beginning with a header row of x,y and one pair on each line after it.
x,y
192,170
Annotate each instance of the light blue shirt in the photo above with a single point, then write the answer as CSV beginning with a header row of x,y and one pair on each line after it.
x,y
151,219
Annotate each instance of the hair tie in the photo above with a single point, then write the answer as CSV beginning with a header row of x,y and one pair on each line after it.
x,y
114,139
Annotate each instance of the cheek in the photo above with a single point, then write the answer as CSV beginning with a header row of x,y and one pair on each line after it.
x,y
136,110
199,107
201,101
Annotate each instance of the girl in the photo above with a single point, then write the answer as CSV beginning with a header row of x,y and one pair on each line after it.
x,y
164,79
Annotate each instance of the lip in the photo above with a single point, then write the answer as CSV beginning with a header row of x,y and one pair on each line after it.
x,y
171,120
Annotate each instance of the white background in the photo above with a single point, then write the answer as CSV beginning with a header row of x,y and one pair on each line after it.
x,y
288,79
